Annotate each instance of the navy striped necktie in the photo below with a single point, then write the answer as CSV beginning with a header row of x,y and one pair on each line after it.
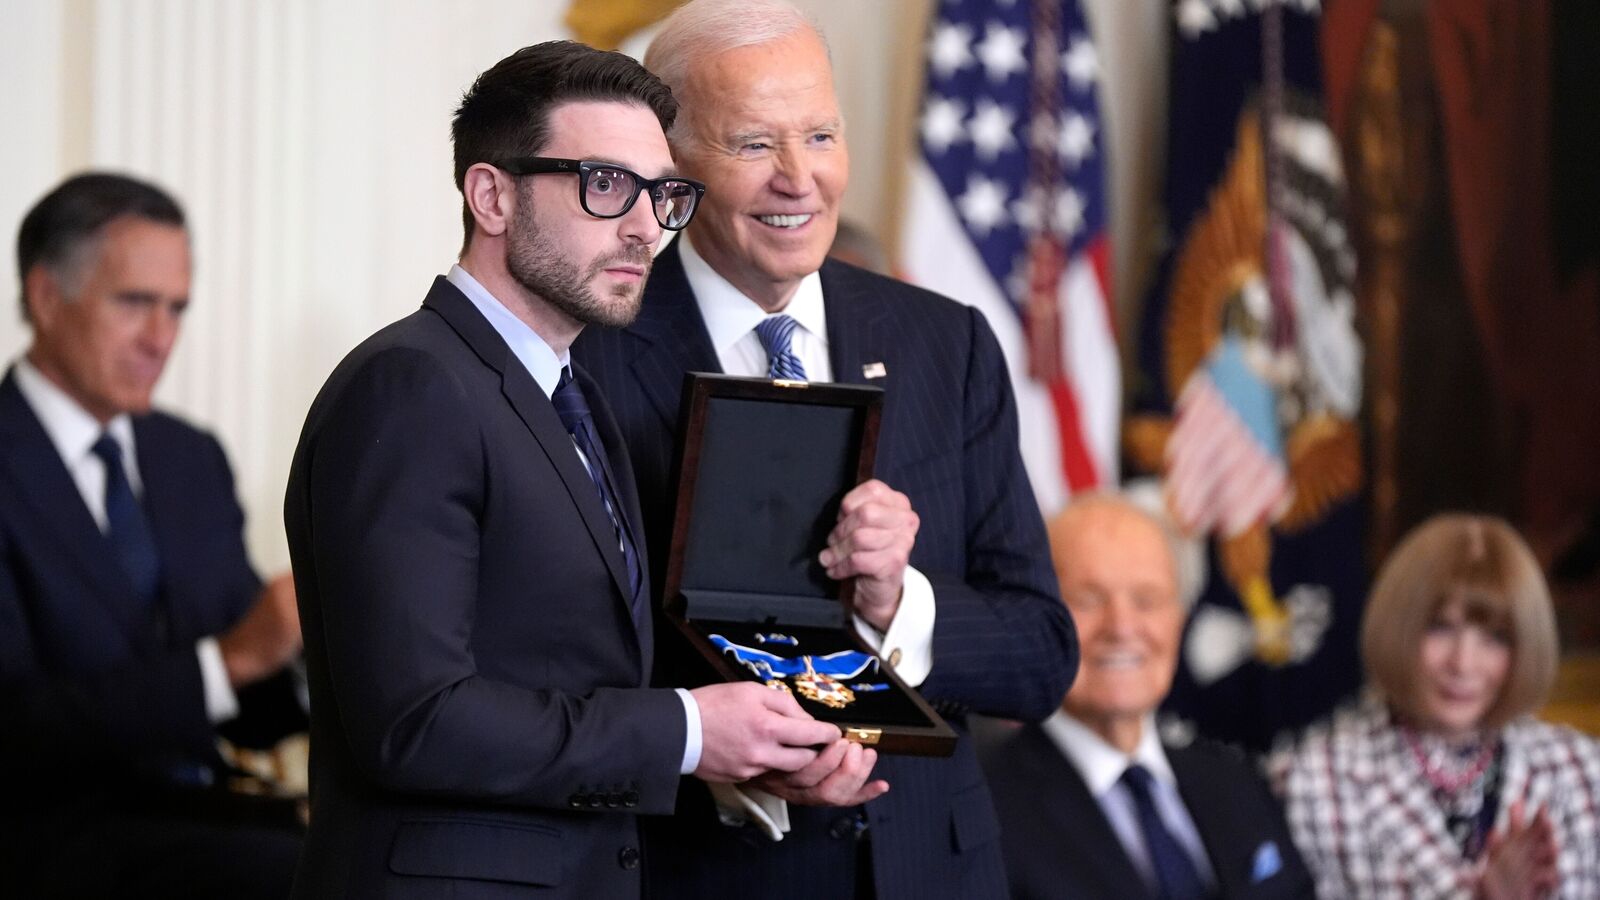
x,y
127,529
574,412
1175,871
775,333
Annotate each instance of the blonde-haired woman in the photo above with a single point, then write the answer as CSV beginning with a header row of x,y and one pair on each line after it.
x,y
1441,784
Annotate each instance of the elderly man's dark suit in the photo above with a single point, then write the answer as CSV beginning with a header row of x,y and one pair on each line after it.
x,y
479,723
1002,641
1059,845
100,694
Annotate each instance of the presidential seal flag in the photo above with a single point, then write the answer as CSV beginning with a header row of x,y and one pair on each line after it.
x,y
1249,382
1006,211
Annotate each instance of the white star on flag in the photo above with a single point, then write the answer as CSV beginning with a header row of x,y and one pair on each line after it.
x,y
941,123
1025,210
1076,140
1067,217
1081,63
992,126
1001,51
983,204
951,49
1195,18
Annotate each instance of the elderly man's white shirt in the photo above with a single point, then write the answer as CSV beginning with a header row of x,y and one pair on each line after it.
x,y
1101,767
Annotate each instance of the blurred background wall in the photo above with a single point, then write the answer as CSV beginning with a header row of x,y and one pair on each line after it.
x,y
309,142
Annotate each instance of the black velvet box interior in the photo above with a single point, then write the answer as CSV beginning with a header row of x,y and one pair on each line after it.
x,y
763,467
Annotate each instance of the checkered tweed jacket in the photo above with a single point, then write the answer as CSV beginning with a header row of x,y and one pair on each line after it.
x,y
1364,820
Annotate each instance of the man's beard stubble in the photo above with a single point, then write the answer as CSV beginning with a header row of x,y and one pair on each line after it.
x,y
539,266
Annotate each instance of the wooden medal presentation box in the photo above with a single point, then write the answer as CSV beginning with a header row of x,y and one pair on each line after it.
x,y
763,466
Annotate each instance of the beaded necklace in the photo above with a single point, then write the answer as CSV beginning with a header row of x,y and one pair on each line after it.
x,y
1465,782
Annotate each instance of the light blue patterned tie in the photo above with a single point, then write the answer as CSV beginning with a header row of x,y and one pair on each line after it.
x,y
775,333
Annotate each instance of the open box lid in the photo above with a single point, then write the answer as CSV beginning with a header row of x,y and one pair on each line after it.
x,y
763,467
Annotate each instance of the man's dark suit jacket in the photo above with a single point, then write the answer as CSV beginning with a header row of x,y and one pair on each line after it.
x,y
101,696
1002,641
1059,845
478,722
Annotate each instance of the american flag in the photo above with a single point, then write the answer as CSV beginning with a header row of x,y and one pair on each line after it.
x,y
1007,212
1226,468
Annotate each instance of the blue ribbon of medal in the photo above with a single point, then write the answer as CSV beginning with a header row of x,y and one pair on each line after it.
x,y
843,664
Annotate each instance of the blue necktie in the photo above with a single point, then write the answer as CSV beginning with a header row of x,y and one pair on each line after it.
x,y
1175,872
775,333
126,526
574,413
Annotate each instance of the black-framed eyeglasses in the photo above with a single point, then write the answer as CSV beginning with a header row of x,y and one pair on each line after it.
x,y
607,190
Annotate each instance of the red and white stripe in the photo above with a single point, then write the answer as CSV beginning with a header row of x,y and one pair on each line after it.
x,y
1218,475
1068,430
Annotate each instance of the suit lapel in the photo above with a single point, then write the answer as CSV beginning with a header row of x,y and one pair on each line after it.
x,y
163,476
42,482
856,331
1209,802
617,464
1075,816
670,323
537,413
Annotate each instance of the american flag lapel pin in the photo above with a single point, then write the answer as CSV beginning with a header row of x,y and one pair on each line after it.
x,y
874,370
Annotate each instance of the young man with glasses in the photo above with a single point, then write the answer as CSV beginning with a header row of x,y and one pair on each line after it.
x,y
464,528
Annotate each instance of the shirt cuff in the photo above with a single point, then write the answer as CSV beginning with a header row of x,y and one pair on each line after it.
x,y
908,644
742,804
692,740
221,702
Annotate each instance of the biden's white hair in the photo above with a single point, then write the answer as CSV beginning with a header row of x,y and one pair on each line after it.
x,y
702,29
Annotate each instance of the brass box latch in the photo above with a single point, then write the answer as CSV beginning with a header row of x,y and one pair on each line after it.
x,y
867,737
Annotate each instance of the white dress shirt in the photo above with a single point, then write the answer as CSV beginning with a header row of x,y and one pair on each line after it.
x,y
74,431
542,363
1102,765
731,318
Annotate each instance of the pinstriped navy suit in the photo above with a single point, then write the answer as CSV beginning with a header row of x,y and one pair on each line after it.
x,y
1002,644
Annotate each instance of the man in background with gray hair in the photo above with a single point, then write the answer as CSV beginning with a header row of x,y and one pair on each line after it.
x,y
133,630
946,547
1092,803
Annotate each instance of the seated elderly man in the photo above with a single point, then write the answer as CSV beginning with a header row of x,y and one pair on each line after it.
x,y
1091,803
